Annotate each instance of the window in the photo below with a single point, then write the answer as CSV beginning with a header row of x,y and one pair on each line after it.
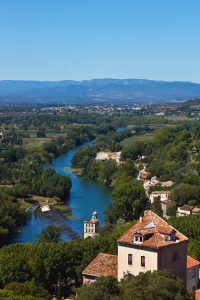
x,y
86,224
86,230
194,272
138,239
130,259
89,230
193,289
143,261
89,225
92,225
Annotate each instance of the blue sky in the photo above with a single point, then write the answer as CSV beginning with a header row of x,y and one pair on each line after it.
x,y
86,39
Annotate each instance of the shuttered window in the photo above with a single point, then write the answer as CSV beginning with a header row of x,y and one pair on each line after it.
x,y
142,261
130,259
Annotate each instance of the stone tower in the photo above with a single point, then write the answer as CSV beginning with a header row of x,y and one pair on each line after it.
x,y
90,226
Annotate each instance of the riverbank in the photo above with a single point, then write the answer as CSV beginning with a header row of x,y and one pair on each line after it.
x,y
64,210
86,196
33,199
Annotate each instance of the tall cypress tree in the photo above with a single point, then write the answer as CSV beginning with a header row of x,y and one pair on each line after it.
x,y
59,288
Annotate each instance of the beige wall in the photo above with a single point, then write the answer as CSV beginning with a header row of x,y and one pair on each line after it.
x,y
178,267
137,251
182,213
89,229
89,278
192,281
162,196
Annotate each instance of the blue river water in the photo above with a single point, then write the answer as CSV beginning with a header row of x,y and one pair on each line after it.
x,y
86,196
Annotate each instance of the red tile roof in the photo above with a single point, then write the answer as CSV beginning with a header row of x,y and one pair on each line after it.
x,y
191,262
197,296
157,227
166,201
91,221
103,265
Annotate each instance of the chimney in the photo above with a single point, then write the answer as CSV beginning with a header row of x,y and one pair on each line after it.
x,y
141,219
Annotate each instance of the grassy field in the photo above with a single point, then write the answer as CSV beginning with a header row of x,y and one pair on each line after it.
x,y
34,142
33,199
135,138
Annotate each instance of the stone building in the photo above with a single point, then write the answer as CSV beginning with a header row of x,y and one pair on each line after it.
x,y
90,226
166,204
151,244
162,194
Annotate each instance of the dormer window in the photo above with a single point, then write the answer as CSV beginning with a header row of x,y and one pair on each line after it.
x,y
167,238
138,239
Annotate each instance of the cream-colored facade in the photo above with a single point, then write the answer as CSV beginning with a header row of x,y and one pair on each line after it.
x,y
90,226
184,210
173,257
162,194
150,244
151,259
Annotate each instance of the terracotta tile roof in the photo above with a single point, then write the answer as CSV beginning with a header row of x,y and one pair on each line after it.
x,y
103,265
154,228
91,221
167,183
166,201
197,296
191,262
144,172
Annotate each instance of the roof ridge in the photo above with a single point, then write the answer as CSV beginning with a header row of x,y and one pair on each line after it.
x,y
170,225
107,254
193,259
155,235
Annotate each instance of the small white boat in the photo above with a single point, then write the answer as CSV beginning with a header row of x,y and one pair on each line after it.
x,y
45,208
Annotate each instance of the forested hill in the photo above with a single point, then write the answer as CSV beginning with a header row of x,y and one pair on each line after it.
x,y
102,89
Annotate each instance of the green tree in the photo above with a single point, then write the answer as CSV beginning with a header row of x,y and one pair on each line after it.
x,y
107,170
159,285
51,234
128,167
28,288
59,288
102,289
40,133
129,198
157,207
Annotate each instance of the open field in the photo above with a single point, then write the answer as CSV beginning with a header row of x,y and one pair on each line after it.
x,y
135,138
34,142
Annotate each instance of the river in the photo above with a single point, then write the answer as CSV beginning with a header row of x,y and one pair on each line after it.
x,y
86,196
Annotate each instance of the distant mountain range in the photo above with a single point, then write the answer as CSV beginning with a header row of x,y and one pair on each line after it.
x,y
126,90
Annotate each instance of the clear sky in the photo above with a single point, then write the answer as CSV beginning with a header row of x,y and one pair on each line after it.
x,y
86,39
